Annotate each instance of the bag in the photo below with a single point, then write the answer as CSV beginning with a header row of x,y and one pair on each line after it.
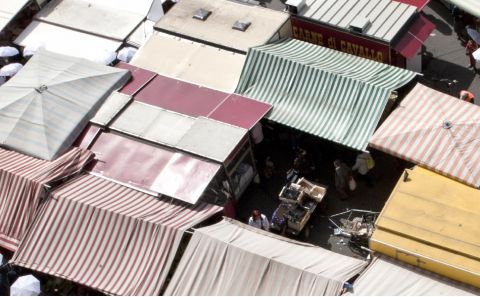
x,y
370,162
352,184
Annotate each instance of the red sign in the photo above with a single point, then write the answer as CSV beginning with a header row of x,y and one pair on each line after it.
x,y
341,41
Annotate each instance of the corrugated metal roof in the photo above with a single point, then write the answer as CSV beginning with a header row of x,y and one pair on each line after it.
x,y
217,29
387,17
327,93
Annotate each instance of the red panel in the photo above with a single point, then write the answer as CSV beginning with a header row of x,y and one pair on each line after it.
x,y
418,32
140,77
181,97
152,168
420,4
240,111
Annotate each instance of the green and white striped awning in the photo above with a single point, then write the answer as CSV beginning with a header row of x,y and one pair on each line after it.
x,y
324,92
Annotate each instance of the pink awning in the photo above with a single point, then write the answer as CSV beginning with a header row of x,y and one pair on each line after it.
x,y
87,136
152,168
140,77
181,97
420,4
108,237
21,181
418,32
240,111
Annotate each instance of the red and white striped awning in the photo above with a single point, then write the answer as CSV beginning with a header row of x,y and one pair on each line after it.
x,y
21,184
436,131
108,237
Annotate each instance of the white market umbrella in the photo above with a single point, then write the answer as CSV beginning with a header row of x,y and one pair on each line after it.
x,y
126,54
103,57
26,285
10,69
31,48
476,54
474,34
8,51
46,105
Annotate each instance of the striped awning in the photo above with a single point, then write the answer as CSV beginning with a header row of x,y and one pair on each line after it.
x,y
108,237
327,93
21,186
436,131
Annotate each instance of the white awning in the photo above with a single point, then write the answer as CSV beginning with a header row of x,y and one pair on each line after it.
x,y
231,258
470,6
185,60
92,17
386,276
65,41
8,10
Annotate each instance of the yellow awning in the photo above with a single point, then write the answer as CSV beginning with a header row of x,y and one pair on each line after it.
x,y
433,222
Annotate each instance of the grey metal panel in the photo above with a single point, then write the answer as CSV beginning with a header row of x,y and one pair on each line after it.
x,y
212,139
387,17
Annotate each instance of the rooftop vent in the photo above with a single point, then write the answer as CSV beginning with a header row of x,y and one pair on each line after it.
x,y
241,25
359,24
202,14
295,6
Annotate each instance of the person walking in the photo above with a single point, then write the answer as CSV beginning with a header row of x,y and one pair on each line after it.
x,y
467,96
470,48
343,174
363,164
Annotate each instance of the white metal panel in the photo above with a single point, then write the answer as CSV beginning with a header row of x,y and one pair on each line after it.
x,y
65,41
92,17
136,119
211,139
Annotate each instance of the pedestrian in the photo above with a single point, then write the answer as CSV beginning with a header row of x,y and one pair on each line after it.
x,y
467,96
259,220
363,164
343,174
470,48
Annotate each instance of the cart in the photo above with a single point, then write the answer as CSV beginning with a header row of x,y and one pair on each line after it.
x,y
297,203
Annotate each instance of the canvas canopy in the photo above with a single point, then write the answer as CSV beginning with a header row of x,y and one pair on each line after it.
x,y
108,237
470,6
140,78
94,17
185,60
434,130
324,92
431,221
22,181
66,41
151,168
8,10
230,258
217,30
386,276
45,106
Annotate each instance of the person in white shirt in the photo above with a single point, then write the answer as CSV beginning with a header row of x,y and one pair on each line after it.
x,y
259,220
363,164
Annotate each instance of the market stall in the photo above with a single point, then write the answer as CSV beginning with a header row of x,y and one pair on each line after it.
x,y
317,90
230,25
389,32
189,61
23,184
8,11
116,240
435,130
431,221
231,258
387,276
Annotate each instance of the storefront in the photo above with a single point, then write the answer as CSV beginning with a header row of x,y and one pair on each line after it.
x,y
392,33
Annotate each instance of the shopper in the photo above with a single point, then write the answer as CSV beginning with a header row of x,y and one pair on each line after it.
x,y
259,220
467,96
343,174
470,48
363,164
